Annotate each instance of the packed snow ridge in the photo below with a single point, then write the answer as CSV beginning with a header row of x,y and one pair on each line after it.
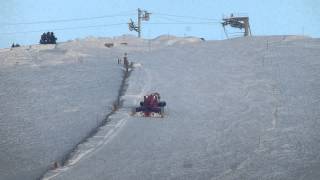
x,y
244,108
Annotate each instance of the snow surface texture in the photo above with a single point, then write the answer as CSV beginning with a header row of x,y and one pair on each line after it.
x,y
51,98
246,108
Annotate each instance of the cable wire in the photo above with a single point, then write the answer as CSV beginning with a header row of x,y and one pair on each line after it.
x,y
66,20
67,28
181,16
159,15
170,19
184,23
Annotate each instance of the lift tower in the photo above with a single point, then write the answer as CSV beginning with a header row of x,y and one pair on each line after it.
x,y
142,16
240,22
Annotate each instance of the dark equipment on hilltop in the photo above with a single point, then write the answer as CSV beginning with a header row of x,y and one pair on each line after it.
x,y
15,45
48,38
151,105
240,22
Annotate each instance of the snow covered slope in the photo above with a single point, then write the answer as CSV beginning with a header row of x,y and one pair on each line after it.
x,y
244,108
51,98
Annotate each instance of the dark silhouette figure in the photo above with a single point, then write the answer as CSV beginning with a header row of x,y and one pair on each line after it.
x,y
126,62
48,38
15,45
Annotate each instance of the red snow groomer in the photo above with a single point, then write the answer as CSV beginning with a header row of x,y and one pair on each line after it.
x,y
151,105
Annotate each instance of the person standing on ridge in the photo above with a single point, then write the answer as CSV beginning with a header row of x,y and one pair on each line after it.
x,y
125,61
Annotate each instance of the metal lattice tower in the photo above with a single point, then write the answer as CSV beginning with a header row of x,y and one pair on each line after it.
x,y
240,22
142,16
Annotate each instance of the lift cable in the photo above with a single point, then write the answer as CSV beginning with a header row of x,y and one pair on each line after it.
x,y
66,20
67,28
181,16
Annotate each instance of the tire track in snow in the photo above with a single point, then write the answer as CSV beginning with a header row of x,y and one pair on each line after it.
x,y
113,125
101,136
276,94
134,93
87,149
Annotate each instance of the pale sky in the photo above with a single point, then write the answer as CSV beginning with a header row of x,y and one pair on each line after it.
x,y
21,21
